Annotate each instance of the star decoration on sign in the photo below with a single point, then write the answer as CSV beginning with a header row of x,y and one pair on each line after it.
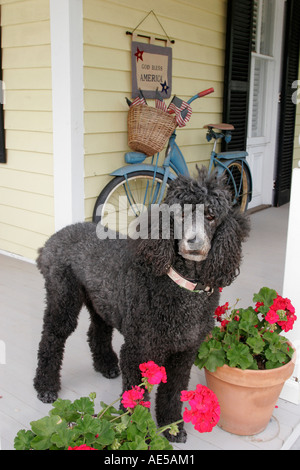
x,y
164,87
139,54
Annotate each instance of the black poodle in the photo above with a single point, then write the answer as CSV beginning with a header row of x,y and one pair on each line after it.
x,y
159,291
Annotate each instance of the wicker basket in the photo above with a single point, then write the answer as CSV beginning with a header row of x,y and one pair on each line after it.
x,y
149,129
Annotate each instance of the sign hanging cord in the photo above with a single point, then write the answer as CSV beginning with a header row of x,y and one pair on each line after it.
x,y
151,11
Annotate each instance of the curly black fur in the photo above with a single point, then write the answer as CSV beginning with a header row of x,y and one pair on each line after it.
x,y
124,285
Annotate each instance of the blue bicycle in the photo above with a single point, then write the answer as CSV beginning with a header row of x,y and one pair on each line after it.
x,y
138,185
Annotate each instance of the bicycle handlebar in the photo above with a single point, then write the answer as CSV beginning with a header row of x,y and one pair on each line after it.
x,y
201,94
205,92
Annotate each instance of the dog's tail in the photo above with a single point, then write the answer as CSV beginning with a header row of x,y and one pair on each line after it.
x,y
41,262
46,256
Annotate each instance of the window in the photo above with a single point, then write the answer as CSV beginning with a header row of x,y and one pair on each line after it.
x,y
261,65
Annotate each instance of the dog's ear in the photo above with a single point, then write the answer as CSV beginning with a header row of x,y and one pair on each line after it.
x,y
158,254
155,243
223,262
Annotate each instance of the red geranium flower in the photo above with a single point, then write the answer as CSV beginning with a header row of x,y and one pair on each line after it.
x,y
82,447
221,310
284,306
224,323
272,317
288,324
205,409
153,372
257,305
132,398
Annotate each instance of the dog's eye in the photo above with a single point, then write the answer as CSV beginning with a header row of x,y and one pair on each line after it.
x,y
210,217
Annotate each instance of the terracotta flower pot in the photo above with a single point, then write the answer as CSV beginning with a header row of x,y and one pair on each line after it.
x,y
247,397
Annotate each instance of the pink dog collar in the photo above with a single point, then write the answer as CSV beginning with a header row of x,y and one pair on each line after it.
x,y
187,284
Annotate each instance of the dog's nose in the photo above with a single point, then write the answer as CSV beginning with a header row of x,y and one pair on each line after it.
x,y
195,243
192,240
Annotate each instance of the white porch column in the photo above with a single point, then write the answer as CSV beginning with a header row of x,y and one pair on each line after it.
x,y
66,23
291,285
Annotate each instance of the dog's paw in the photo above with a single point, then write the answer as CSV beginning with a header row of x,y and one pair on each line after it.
x,y
112,373
108,372
47,397
181,436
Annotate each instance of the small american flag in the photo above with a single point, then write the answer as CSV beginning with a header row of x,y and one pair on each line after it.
x,y
139,100
159,102
182,110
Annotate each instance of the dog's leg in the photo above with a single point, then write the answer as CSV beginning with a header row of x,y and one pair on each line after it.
x,y
168,404
105,359
64,302
131,356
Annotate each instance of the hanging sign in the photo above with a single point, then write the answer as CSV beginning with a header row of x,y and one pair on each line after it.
x,y
151,69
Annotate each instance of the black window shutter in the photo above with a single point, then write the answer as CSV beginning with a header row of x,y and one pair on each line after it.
x,y
237,71
287,117
2,134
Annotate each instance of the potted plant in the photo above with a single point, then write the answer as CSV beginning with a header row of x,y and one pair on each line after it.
x,y
75,426
247,360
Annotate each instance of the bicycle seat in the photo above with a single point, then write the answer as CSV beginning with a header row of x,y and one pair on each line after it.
x,y
221,127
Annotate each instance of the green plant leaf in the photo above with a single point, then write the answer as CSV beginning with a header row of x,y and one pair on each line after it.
x,y
239,356
63,438
105,432
217,334
271,337
132,432
64,409
44,428
210,355
254,365
256,344
288,350
232,327
84,405
86,425
159,443
110,411
229,339
23,440
248,316
141,416
215,360
41,443
273,365
138,444
266,296
276,355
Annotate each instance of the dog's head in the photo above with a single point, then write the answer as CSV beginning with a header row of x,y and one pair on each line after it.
x,y
200,206
197,223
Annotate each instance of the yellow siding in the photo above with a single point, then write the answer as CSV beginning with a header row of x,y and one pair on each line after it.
x,y
26,180
198,28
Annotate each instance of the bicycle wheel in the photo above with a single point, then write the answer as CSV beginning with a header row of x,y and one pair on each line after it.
x,y
238,180
125,198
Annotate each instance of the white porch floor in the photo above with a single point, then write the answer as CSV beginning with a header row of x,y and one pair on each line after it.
x,y
21,311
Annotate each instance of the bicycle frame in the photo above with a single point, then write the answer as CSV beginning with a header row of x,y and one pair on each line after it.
x,y
174,160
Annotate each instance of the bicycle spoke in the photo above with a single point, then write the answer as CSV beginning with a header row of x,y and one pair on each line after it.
x,y
237,182
128,199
